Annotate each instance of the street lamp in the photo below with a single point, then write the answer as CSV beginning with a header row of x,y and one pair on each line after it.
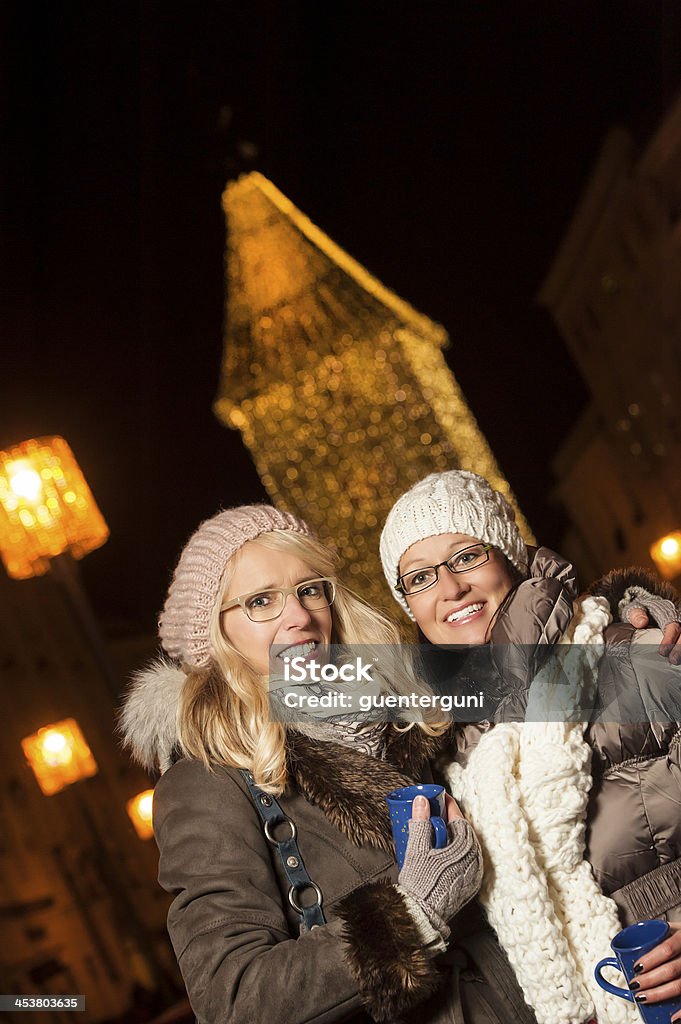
x,y
49,518
59,755
140,813
666,553
46,507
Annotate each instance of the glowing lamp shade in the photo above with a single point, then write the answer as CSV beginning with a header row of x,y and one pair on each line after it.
x,y
59,755
139,811
46,507
666,554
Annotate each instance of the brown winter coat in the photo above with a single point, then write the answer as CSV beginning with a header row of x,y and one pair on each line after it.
x,y
237,939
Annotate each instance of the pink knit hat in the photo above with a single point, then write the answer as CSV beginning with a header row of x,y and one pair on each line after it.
x,y
184,623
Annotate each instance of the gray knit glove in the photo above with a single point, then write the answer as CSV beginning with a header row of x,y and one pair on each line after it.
x,y
441,881
659,609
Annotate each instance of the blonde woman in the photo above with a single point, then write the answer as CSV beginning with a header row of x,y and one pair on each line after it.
x,y
274,838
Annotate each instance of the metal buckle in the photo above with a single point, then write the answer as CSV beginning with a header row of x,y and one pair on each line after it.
x,y
270,838
308,885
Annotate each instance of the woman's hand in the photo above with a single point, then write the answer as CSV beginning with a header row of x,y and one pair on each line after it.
x,y
660,977
451,807
640,618
441,881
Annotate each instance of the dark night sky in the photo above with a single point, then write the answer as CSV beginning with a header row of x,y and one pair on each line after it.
x,y
444,147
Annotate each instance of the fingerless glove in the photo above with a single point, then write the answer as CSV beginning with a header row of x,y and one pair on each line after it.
x,y
659,609
441,881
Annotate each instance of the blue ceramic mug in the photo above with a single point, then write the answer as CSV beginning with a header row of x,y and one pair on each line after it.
x,y
400,804
629,946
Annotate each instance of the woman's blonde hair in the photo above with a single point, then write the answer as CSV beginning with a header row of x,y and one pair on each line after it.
x,y
225,716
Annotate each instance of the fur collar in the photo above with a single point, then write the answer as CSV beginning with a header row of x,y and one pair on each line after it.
x,y
613,585
350,788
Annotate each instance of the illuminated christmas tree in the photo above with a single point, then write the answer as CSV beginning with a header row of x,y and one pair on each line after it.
x,y
339,387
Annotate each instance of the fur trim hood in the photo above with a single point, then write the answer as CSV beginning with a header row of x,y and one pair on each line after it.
x,y
615,584
147,721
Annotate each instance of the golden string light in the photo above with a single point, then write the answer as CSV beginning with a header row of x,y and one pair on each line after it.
x,y
338,386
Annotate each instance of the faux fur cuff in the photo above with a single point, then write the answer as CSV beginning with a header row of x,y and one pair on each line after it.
x,y
385,951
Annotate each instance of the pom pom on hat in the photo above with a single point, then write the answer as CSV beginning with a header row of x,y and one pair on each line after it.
x,y
185,619
453,502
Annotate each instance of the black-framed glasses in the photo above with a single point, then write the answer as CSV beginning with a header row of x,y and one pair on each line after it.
x,y
262,605
464,560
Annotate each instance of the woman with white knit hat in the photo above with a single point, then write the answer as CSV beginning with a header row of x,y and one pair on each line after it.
x,y
275,840
579,824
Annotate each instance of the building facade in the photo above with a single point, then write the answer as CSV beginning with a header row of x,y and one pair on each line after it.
x,y
81,911
614,291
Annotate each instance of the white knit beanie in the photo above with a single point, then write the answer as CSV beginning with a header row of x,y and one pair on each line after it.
x,y
185,619
453,502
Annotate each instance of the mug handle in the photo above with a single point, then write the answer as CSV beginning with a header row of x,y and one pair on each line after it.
x,y
610,961
440,833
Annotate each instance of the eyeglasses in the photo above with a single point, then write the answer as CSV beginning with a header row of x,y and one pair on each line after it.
x,y
463,561
263,605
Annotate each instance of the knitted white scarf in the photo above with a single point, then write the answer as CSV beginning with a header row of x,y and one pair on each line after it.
x,y
525,792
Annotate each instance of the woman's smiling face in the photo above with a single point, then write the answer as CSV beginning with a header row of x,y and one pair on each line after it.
x,y
258,568
459,608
